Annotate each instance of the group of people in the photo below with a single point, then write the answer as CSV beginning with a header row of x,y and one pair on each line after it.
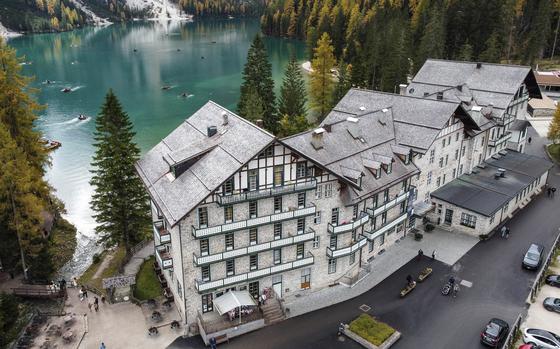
x,y
505,232
83,294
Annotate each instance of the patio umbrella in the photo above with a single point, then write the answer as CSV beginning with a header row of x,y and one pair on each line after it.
x,y
233,299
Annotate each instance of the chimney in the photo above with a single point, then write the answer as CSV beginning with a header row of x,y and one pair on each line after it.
x,y
402,89
225,118
259,123
212,130
317,138
478,65
327,127
439,95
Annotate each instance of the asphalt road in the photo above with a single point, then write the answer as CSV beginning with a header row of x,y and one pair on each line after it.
x,y
425,317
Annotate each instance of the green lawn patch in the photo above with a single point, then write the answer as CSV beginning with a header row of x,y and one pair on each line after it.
x,y
62,242
147,284
554,150
375,332
112,269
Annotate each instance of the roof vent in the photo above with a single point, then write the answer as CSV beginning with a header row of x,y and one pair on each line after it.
x,y
352,120
225,118
362,108
402,89
478,65
439,95
212,130
317,138
384,110
327,127
259,123
411,91
381,122
426,94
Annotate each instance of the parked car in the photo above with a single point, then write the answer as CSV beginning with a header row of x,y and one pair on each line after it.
x,y
533,257
553,280
494,332
541,338
530,346
552,304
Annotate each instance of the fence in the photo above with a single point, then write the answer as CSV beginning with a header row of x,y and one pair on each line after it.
x,y
512,336
542,274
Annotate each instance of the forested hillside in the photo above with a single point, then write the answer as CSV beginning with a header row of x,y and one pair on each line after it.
x,y
218,8
384,40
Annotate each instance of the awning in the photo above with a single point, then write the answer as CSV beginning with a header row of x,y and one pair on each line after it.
x,y
421,208
231,300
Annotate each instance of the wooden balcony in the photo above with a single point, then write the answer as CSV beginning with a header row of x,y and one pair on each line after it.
x,y
161,234
265,193
164,258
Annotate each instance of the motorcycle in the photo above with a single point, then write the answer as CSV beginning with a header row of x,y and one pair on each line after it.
x,y
446,289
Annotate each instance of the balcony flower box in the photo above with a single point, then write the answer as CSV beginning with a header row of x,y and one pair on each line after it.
x,y
424,274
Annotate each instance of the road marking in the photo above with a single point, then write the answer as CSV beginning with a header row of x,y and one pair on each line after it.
x,y
466,283
365,308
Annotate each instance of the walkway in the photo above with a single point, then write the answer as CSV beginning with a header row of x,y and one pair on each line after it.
x,y
449,248
133,265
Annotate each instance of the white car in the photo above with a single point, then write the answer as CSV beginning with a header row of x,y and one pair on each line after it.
x,y
542,338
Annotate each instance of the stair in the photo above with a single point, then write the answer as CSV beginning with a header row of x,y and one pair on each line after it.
x,y
272,312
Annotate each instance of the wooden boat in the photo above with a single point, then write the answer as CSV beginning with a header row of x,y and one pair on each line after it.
x,y
52,145
66,90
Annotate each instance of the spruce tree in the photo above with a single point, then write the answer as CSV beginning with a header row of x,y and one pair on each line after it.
x,y
321,83
252,108
554,127
292,93
466,53
290,125
344,83
491,52
120,202
257,75
432,44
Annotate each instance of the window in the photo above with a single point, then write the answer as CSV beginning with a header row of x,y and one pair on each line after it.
x,y
179,289
268,152
277,204
300,250
457,136
463,151
374,204
230,267
277,256
278,175
301,170
404,185
328,190
383,218
432,155
492,218
204,247
253,261
253,236
332,266
319,192
332,242
301,200
305,279
386,195
443,178
468,220
456,154
202,217
253,179
228,213
429,178
229,241
300,225
388,168
438,182
403,207
449,140
205,270
253,209
446,159
355,211
334,216
316,242
461,169
207,305
482,141
254,289
353,235
228,186
352,258
440,162
370,245
381,239
454,173
443,143
400,227
317,218
374,223
277,231
390,231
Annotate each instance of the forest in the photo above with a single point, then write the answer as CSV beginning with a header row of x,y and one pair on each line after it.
x,y
384,41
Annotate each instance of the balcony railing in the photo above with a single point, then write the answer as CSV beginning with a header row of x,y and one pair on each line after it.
x,y
345,227
161,233
503,138
218,257
388,205
373,234
264,193
253,222
341,252
164,258
202,286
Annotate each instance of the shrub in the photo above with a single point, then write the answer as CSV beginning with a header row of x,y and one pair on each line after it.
x,y
96,258
429,227
418,236
375,332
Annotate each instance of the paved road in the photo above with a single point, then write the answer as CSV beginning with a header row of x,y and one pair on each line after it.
x,y
425,317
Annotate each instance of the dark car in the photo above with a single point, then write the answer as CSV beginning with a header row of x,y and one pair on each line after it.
x,y
552,304
494,333
553,280
533,257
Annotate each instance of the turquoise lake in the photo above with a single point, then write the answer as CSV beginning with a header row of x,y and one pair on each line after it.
x,y
202,60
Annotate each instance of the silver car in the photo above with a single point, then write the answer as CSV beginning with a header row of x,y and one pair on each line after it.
x,y
541,338
552,304
533,257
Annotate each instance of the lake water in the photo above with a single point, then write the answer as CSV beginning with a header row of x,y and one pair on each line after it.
x,y
203,59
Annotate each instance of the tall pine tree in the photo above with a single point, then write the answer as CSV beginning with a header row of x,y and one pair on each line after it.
x,y
321,83
257,75
292,93
120,202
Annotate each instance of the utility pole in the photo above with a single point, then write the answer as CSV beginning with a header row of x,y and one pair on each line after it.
x,y
24,266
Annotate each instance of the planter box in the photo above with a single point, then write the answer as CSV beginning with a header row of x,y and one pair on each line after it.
x,y
424,274
356,338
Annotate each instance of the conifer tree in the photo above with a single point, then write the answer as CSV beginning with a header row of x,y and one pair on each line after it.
x,y
120,202
321,83
290,125
252,108
292,93
432,44
491,52
257,75
554,128
466,53
344,83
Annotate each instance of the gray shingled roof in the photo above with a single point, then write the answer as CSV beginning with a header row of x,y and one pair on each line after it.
x,y
481,192
223,154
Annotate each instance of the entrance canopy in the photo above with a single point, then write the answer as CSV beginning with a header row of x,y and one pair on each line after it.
x,y
231,300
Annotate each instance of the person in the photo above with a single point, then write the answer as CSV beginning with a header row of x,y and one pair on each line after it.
x,y
74,282
549,191
81,295
507,232
96,307
95,300
434,255
409,279
213,344
103,299
340,329
553,190
89,306
452,280
102,346
420,254
455,290
529,140
504,230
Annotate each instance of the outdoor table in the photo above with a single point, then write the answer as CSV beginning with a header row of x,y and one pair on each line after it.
x,y
68,318
67,336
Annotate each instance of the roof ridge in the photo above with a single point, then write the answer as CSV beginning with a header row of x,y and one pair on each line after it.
x,y
404,96
476,62
240,117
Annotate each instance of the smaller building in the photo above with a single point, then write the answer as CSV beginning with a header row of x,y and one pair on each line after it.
x,y
480,201
541,108
549,82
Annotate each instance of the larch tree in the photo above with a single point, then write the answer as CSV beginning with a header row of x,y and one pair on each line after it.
x,y
321,82
257,75
119,201
554,128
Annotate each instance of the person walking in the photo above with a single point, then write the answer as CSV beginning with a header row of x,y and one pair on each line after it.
x,y
549,191
507,232
553,189
420,254
503,231
213,344
434,255
529,140
102,346
89,306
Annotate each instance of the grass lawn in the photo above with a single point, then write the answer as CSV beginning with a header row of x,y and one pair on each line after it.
x,y
147,283
373,331
112,269
62,242
554,150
